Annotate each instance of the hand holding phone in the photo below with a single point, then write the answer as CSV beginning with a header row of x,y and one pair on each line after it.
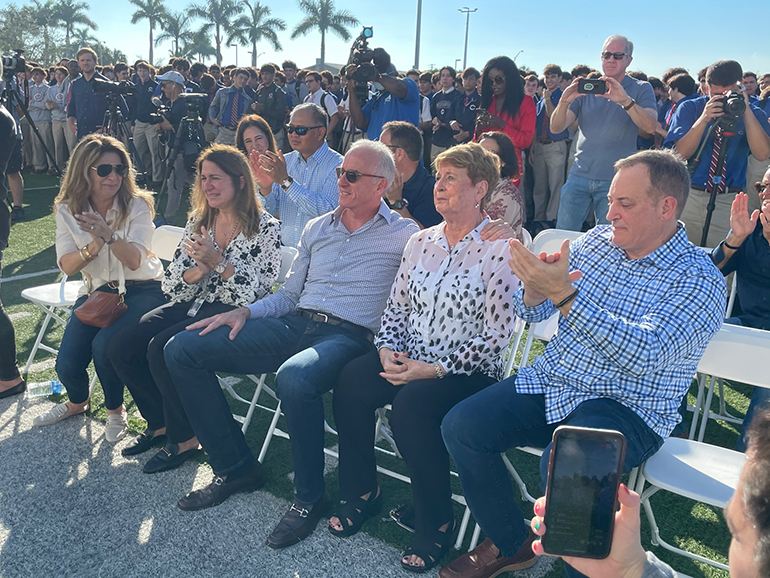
x,y
592,86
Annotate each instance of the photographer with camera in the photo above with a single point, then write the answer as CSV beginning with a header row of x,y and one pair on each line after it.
x,y
394,98
145,125
741,126
229,106
173,84
86,107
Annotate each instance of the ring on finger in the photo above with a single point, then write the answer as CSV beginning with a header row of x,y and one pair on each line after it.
x,y
92,227
195,252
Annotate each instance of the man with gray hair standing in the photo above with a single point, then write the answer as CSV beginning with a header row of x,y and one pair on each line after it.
x,y
324,316
609,123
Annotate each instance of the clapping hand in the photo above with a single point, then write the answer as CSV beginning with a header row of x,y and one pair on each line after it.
x,y
201,249
741,223
94,225
544,276
274,165
263,178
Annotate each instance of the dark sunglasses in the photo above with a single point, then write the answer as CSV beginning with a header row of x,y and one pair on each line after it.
x,y
352,176
300,130
615,55
106,169
761,187
498,80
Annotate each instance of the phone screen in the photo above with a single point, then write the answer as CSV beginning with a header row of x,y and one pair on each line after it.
x,y
585,471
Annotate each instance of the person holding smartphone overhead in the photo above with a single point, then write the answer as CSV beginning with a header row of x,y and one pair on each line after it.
x,y
623,357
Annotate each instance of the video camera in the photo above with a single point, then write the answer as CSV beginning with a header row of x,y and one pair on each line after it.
x,y
733,106
109,87
362,56
195,103
13,64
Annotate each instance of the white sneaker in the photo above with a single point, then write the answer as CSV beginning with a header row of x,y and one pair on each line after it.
x,y
116,427
56,414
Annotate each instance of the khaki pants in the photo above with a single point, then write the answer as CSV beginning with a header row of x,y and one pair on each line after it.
x,y
210,132
72,138
548,167
27,151
435,150
40,159
694,216
754,173
147,144
60,129
225,136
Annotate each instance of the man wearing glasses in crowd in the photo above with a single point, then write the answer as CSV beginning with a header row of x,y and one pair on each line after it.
x,y
302,185
609,124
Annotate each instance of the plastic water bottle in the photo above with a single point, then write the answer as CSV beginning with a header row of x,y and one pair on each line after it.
x,y
42,388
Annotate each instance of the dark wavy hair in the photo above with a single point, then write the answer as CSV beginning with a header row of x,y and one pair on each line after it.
x,y
257,122
514,87
509,162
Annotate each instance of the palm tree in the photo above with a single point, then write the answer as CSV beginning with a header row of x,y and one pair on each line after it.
x,y
199,46
82,37
255,26
70,13
151,10
321,16
45,16
219,15
176,27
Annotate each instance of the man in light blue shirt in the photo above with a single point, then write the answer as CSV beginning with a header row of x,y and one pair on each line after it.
x,y
304,185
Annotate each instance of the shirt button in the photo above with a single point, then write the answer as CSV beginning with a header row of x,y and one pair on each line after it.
x,y
347,240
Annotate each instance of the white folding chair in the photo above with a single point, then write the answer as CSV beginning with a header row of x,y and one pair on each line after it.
x,y
288,254
526,238
692,469
165,240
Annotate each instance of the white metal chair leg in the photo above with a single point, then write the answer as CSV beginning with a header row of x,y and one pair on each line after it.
x,y
92,385
49,314
525,495
463,528
270,432
698,406
706,410
475,537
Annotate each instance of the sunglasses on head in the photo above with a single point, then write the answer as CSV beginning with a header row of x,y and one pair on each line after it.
x,y
105,169
615,55
300,130
498,80
761,187
352,176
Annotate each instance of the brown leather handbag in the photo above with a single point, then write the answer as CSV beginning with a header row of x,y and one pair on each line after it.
x,y
102,309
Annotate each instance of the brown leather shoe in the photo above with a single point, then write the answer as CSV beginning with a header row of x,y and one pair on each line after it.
x,y
482,561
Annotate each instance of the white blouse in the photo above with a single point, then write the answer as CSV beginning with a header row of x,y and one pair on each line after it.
x,y
452,306
137,229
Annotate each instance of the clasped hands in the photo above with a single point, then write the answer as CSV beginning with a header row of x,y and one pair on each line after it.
x,y
399,369
544,276
202,250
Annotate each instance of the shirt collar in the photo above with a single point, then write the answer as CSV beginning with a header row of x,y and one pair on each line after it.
x,y
439,238
317,156
664,255
451,88
384,212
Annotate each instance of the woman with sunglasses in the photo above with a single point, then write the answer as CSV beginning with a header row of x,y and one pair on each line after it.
x,y
505,202
446,323
103,231
506,108
229,257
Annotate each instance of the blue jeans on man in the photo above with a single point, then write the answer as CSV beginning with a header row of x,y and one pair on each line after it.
x,y
479,429
576,197
307,356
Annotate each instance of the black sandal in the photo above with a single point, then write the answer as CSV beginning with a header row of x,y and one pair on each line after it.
x,y
429,550
403,516
353,513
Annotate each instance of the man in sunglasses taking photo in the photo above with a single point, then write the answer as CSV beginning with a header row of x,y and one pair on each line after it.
x,y
609,124
302,185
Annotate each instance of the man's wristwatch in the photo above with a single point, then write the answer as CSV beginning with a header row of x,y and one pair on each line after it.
x,y
220,269
397,205
114,237
286,183
629,105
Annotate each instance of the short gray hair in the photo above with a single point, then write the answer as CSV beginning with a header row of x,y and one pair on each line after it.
x,y
668,174
320,117
385,165
620,37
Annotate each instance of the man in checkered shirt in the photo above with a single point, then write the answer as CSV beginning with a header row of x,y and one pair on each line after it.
x,y
638,305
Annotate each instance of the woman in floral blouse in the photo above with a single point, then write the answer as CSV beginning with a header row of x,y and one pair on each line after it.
x,y
447,321
505,202
229,257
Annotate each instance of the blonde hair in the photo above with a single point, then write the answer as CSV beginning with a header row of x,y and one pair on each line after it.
x,y
76,186
246,204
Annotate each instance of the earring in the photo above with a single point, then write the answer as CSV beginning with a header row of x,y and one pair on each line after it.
x,y
477,205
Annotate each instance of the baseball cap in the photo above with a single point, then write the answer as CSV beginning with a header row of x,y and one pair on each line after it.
x,y
171,75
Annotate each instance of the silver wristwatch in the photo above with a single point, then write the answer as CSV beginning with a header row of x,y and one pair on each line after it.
x,y
114,237
220,269
286,183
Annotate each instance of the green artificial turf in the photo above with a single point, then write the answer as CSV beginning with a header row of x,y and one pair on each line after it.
x,y
693,526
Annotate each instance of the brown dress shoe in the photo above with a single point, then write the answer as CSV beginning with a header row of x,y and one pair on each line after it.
x,y
483,561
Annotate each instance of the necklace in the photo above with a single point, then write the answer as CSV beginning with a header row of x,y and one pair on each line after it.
x,y
232,233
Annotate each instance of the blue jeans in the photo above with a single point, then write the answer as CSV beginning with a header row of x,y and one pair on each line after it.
x,y
477,430
576,196
308,357
82,342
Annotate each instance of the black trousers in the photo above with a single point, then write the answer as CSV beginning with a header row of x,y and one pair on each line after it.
x,y
418,409
137,355
8,369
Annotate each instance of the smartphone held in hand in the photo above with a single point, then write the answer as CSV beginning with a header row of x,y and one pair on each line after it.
x,y
592,86
584,472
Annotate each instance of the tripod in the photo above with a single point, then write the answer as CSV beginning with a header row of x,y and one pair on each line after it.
x,y
11,97
114,124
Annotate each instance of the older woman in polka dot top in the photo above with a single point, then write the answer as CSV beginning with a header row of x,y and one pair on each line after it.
x,y
446,324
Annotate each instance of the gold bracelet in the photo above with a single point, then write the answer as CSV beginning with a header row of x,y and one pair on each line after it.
x,y
86,254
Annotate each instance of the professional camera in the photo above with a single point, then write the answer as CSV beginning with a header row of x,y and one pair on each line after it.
x,y
13,64
361,55
107,86
733,104
195,103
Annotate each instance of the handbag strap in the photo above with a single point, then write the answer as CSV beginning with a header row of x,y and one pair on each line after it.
x,y
121,279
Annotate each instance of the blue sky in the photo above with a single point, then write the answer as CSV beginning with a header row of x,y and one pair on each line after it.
x,y
566,33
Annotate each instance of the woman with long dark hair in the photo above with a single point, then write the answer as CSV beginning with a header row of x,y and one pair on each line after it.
x,y
506,108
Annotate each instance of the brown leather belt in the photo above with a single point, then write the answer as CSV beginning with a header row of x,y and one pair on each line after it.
x,y
321,317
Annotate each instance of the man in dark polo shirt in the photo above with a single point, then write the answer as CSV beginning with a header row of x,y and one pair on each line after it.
x,y
411,193
442,109
86,108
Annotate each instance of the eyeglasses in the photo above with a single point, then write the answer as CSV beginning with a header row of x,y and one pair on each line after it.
x,y
615,55
105,170
498,80
300,130
352,176
761,187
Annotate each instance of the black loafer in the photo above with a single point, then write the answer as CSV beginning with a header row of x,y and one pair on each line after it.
x,y
298,523
142,443
15,390
168,458
221,489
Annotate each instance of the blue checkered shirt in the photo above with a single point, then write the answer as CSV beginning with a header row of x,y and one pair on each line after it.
x,y
313,192
635,332
344,274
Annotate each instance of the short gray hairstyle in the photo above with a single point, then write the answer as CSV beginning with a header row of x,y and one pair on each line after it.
x,y
620,37
668,173
320,117
385,165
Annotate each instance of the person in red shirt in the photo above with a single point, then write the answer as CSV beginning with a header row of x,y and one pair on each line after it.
x,y
505,106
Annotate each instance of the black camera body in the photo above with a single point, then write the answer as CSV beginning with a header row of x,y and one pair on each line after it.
x,y
195,103
13,64
109,87
362,56
733,107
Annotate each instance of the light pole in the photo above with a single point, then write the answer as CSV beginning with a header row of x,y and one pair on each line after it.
x,y
236,53
417,36
517,54
457,63
254,60
467,11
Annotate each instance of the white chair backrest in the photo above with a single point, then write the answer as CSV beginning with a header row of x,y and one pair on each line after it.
x,y
165,240
62,286
549,240
526,238
288,254
731,300
738,353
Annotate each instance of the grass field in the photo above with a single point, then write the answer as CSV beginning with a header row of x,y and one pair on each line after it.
x,y
695,527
